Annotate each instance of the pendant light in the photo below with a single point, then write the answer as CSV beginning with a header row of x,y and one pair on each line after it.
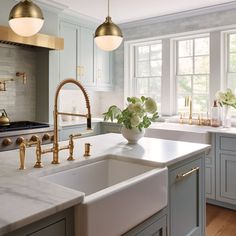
x,y
26,18
108,36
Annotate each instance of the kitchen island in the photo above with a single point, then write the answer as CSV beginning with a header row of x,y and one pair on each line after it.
x,y
26,198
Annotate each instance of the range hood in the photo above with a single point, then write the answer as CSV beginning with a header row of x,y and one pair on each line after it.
x,y
7,36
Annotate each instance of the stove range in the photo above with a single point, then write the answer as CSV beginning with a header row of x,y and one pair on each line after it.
x,y
11,136
22,125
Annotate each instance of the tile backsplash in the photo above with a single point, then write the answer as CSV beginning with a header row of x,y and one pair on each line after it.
x,y
19,100
73,101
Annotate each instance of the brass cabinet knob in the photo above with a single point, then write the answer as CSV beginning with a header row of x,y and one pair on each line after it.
x,y
46,137
34,138
6,142
20,140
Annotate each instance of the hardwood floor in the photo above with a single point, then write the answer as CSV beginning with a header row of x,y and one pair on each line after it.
x,y
220,221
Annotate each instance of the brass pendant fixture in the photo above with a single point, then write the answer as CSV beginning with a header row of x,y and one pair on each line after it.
x,y
108,36
26,18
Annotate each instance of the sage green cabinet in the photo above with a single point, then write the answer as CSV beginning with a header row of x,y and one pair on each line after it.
x,y
187,198
68,57
109,127
60,224
102,69
85,58
210,170
66,131
82,60
156,225
226,168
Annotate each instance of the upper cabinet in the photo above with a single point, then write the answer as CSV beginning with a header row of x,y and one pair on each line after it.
x,y
82,60
85,72
102,69
68,58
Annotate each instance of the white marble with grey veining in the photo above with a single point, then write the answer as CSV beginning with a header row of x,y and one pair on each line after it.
x,y
25,198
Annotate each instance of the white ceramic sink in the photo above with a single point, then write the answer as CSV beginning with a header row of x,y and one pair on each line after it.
x,y
119,194
179,132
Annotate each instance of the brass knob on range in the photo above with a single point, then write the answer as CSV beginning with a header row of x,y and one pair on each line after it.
x,y
20,140
6,142
34,138
46,137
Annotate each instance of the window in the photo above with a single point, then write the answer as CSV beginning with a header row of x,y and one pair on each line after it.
x,y
231,65
148,71
192,73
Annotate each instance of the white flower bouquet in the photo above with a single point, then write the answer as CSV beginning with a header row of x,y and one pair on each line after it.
x,y
226,98
139,113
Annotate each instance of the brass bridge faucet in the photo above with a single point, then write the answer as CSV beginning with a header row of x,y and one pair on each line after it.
x,y
56,149
189,103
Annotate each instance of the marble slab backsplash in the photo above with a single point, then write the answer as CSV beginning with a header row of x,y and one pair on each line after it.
x,y
19,100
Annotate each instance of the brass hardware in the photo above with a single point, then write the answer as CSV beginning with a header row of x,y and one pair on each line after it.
x,y
38,163
78,71
39,40
6,142
56,148
4,120
26,8
182,176
20,140
108,28
71,146
22,156
19,75
34,138
189,103
87,149
46,137
38,151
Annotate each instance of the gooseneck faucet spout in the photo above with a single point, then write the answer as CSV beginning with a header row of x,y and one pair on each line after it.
x,y
56,113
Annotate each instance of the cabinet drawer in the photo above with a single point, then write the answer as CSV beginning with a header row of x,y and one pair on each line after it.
x,y
228,143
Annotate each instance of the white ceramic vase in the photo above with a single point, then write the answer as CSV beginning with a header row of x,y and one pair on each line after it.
x,y
132,135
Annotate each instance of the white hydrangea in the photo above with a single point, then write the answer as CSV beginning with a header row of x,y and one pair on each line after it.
x,y
150,105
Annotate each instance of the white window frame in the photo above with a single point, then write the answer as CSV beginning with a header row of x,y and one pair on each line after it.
x,y
175,69
217,64
135,61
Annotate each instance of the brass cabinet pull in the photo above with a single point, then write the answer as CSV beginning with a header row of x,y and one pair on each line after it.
x,y
181,176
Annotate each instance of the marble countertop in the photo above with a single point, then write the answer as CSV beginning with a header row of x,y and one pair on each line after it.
x,y
25,198
192,128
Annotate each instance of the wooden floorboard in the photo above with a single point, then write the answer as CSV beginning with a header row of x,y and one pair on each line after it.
x,y
220,221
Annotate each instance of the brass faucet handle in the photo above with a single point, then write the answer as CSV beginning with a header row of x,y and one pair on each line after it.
x,y
71,146
38,163
22,156
75,136
87,149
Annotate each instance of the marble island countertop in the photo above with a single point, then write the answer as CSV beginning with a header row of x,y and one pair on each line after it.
x,y
25,198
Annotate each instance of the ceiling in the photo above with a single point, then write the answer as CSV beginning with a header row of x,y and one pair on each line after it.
x,y
131,10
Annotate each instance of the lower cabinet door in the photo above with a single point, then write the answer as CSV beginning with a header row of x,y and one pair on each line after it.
x,y
186,199
226,185
154,226
57,229
59,224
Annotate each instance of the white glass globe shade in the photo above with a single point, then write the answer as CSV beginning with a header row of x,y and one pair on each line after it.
x,y
108,42
26,26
